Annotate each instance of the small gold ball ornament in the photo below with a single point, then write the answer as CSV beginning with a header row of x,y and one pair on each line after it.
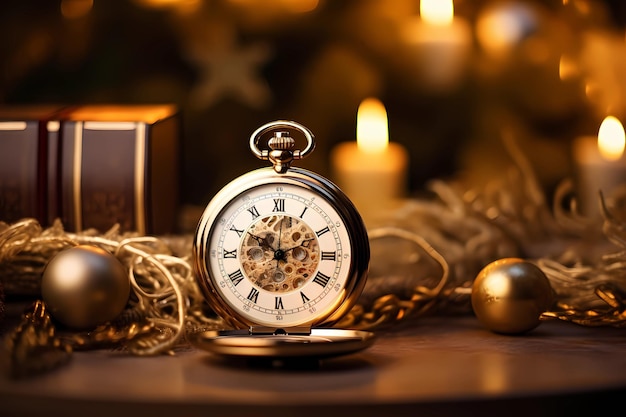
x,y
85,286
509,295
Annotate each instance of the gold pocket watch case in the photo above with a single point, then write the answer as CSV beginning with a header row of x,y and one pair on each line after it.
x,y
281,254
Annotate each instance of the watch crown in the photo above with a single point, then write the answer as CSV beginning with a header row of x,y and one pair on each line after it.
x,y
281,141
281,154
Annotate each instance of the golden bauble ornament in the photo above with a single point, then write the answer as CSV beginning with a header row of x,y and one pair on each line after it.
x,y
509,295
85,286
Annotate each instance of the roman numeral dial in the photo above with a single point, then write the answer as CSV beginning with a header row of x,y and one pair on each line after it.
x,y
280,254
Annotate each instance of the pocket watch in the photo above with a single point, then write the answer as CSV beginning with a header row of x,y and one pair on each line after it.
x,y
281,254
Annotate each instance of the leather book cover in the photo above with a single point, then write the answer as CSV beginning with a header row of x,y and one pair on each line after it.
x,y
28,146
119,165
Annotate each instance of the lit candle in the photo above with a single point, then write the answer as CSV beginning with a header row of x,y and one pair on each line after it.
x,y
371,171
440,44
600,165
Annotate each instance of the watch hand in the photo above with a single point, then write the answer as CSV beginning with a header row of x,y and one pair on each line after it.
x,y
262,241
280,233
281,254
297,246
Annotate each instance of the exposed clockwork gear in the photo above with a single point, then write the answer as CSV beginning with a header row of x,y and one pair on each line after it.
x,y
280,253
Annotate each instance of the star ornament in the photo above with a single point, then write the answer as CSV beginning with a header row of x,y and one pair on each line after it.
x,y
228,69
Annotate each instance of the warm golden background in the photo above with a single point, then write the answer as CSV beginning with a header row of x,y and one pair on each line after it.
x,y
548,71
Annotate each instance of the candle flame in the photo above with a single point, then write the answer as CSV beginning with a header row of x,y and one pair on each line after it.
x,y
611,138
372,134
437,12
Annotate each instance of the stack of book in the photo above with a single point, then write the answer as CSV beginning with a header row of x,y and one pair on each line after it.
x,y
92,167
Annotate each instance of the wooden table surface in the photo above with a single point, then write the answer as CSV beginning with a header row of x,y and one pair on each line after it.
x,y
435,366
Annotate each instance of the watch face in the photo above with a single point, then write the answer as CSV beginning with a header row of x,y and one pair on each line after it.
x,y
278,255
